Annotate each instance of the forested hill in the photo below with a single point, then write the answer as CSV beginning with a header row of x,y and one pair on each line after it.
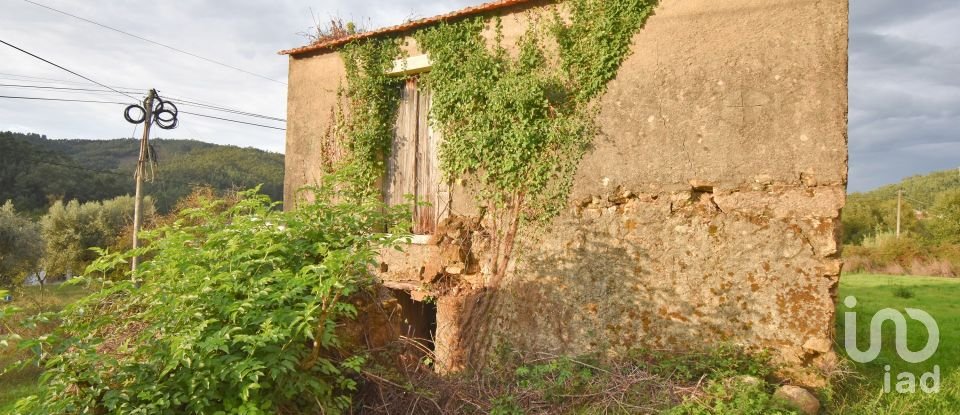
x,y
922,189
927,199
35,171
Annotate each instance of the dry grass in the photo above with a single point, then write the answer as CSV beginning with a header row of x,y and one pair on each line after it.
x,y
887,255
332,29
540,383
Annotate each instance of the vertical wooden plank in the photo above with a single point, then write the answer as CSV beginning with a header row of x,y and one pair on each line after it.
x,y
429,187
443,189
442,201
401,165
413,167
423,217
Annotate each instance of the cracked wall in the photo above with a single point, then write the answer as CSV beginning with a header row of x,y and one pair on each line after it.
x,y
706,211
709,207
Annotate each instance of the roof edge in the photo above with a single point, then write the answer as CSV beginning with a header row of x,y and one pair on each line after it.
x,y
406,27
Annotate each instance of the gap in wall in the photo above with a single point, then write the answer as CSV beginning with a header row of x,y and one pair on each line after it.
x,y
419,318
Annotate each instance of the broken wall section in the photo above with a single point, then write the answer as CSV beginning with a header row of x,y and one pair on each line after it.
x,y
624,270
708,208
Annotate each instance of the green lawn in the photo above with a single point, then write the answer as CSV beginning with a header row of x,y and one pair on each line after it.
x,y
21,383
862,392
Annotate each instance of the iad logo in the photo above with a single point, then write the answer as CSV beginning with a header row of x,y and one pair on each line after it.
x,y
906,381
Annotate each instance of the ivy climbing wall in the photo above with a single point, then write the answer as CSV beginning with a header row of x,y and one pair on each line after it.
x,y
705,209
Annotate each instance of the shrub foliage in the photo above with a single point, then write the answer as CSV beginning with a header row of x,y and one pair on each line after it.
x,y
235,312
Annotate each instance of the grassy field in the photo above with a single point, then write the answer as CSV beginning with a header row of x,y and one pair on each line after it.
x,y
20,383
862,391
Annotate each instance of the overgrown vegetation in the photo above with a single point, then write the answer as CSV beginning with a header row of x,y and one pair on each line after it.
x,y
333,29
25,315
221,309
517,118
366,129
721,380
514,124
21,246
236,311
929,243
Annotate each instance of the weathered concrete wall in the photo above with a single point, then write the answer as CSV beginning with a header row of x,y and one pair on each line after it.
x,y
312,99
311,104
707,210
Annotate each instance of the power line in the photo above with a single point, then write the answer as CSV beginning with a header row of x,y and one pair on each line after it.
x,y
123,103
65,69
236,121
225,109
188,100
58,88
63,100
175,100
42,80
155,42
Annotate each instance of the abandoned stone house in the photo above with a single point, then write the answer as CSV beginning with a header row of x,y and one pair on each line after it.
x,y
706,211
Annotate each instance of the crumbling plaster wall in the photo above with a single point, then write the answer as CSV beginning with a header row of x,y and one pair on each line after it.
x,y
707,210
312,101
709,207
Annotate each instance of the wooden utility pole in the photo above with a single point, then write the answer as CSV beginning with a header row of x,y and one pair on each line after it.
x,y
141,167
899,204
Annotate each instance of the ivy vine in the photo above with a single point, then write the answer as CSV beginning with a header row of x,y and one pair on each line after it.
x,y
373,98
515,119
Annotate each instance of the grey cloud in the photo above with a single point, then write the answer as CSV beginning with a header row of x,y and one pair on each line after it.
x,y
879,14
904,89
873,49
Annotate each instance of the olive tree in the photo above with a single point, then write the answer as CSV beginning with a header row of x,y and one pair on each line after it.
x,y
21,246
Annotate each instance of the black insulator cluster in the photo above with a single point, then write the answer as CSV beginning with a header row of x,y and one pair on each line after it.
x,y
163,114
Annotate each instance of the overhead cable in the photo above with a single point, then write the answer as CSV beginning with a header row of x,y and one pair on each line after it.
x,y
236,121
124,103
182,101
67,70
155,42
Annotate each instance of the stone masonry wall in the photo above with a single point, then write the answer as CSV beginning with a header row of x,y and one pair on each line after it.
x,y
707,210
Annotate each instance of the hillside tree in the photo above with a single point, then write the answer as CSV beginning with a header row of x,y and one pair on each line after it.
x,y
72,229
21,246
945,225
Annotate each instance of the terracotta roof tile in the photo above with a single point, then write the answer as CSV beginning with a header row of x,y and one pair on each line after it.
x,y
405,27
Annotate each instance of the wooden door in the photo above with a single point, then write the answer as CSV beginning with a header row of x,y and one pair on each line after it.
x,y
401,174
413,167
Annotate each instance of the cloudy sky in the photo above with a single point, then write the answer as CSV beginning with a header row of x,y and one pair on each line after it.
x,y
904,70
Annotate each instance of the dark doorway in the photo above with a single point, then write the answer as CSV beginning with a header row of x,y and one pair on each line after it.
x,y
419,318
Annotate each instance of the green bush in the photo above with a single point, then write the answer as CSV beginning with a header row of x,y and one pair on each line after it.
x,y
235,312
734,397
886,254
902,292
717,362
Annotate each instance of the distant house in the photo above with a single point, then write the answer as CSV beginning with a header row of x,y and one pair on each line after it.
x,y
708,210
